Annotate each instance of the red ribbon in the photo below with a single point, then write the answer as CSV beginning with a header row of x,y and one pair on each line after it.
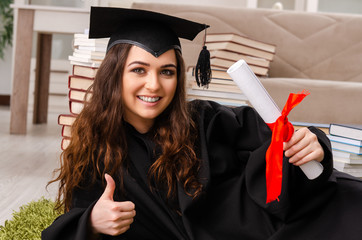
x,y
282,132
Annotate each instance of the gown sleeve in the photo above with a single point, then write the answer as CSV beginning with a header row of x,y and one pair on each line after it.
x,y
74,224
240,131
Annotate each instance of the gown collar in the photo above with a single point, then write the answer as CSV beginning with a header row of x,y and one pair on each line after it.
x,y
185,201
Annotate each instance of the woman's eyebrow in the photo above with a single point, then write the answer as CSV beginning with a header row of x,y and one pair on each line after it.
x,y
147,64
139,62
169,65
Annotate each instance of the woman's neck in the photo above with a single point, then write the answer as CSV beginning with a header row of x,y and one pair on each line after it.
x,y
141,127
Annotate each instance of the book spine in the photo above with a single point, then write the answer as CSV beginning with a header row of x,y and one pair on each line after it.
x,y
79,95
352,132
66,131
84,71
65,143
66,119
343,140
79,83
75,107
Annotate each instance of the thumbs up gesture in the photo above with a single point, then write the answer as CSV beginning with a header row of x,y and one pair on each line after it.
x,y
110,217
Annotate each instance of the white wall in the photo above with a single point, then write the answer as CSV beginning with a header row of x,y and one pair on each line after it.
x,y
345,6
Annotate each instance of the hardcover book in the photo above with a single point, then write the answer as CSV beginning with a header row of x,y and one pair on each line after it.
x,y
344,140
232,56
84,71
75,107
65,143
85,61
346,130
79,83
236,38
225,64
347,157
66,119
346,147
216,94
234,47
79,95
354,170
81,39
93,55
66,131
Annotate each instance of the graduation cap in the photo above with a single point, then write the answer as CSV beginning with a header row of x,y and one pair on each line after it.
x,y
152,31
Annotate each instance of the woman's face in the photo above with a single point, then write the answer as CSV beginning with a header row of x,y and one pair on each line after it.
x,y
148,87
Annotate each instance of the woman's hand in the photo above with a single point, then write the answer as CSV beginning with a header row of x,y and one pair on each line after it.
x,y
110,217
303,147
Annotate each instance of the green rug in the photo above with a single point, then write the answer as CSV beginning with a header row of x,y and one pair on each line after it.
x,y
29,221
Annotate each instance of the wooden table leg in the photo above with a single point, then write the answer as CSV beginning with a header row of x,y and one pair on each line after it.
x,y
41,92
21,71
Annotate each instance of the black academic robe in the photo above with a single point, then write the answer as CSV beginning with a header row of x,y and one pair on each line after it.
x,y
232,143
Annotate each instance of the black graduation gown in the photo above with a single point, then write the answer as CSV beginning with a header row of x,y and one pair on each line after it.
x,y
232,145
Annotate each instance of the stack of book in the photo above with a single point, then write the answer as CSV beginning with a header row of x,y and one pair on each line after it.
x,y
221,89
88,52
346,141
66,121
227,48
87,56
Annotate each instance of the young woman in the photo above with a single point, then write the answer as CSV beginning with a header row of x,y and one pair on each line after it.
x,y
143,163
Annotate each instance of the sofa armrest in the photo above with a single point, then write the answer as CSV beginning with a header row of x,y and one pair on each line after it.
x,y
328,102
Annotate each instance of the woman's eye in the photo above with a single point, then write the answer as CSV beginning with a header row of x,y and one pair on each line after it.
x,y
138,70
168,72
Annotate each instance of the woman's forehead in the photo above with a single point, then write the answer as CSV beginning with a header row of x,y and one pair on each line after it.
x,y
139,54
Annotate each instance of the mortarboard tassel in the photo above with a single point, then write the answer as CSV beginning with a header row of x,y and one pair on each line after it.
x,y
203,69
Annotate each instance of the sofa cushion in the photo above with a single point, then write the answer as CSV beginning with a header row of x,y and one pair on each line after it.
x,y
328,102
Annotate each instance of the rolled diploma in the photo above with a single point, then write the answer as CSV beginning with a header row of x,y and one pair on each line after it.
x,y
260,99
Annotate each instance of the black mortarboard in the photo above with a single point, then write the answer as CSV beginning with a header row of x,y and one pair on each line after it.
x,y
155,32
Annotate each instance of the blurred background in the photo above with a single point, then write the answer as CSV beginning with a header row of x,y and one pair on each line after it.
x,y
62,43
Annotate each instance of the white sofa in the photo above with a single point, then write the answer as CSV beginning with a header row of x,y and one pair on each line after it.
x,y
319,52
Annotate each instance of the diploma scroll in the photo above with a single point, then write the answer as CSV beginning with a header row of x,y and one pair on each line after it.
x,y
260,99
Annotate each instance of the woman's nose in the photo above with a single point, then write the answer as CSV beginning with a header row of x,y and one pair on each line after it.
x,y
152,83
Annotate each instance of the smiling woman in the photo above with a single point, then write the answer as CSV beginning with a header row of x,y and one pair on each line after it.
x,y
143,163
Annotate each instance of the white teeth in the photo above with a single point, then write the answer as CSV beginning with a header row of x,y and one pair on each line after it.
x,y
149,99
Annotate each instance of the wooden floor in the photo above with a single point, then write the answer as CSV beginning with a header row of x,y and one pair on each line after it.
x,y
27,162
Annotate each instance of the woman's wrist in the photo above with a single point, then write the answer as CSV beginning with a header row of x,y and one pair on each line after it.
x,y
92,233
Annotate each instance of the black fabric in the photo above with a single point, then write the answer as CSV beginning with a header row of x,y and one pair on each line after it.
x,y
232,145
155,32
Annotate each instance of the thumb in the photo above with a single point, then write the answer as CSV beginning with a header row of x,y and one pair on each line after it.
x,y
110,187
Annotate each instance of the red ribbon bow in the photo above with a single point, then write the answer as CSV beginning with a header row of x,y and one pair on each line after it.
x,y
282,132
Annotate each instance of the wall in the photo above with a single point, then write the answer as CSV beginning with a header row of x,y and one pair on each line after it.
x,y
345,6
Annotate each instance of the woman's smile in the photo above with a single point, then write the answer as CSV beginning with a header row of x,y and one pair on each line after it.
x,y
149,99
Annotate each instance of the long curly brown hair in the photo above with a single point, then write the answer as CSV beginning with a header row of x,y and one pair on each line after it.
x,y
98,143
